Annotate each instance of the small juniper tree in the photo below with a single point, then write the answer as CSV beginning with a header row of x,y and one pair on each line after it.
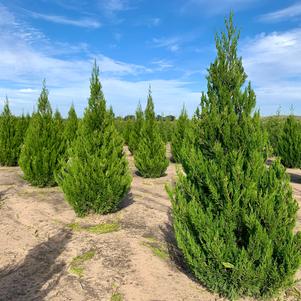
x,y
179,136
234,217
40,153
135,135
150,156
9,146
289,145
96,175
71,127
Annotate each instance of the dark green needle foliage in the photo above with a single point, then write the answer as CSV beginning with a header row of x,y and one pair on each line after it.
x,y
96,175
150,156
135,135
41,150
233,216
289,146
179,136
70,128
9,142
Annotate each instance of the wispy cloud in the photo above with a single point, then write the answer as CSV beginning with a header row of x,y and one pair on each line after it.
x,y
288,13
171,44
273,64
80,22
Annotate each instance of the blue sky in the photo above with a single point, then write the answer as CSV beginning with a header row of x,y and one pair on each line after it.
x,y
166,44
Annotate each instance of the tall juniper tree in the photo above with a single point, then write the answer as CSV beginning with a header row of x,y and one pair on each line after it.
x,y
96,175
40,153
150,156
234,217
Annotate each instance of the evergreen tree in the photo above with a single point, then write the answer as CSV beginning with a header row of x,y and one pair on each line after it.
x,y
96,175
289,145
135,135
22,123
9,147
71,127
179,135
150,156
41,150
234,217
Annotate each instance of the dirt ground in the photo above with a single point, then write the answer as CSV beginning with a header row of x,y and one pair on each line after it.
x,y
47,253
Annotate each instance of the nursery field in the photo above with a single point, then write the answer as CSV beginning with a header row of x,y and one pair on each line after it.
x,y
47,253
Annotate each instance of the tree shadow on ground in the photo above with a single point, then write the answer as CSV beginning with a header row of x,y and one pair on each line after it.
x,y
294,178
127,200
174,253
27,280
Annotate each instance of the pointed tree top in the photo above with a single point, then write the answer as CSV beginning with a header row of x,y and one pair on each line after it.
x,y
43,102
6,109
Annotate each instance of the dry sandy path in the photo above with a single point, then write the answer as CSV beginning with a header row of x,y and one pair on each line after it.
x,y
40,239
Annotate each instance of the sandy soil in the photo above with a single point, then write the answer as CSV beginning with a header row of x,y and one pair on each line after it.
x,y
43,245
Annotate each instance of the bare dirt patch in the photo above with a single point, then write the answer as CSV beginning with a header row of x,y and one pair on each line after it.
x,y
47,253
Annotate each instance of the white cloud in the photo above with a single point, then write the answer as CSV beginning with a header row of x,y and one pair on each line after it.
x,y
273,64
287,13
25,59
80,22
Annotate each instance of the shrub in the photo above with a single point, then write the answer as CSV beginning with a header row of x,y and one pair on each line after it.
x,y
40,153
234,217
96,175
150,156
289,146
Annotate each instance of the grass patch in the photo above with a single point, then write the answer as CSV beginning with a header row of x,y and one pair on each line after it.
x,y
103,228
74,226
97,229
157,249
76,266
116,297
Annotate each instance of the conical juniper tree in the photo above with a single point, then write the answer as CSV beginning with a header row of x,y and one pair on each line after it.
x,y
9,146
179,136
96,176
71,126
289,145
233,217
150,156
135,135
41,150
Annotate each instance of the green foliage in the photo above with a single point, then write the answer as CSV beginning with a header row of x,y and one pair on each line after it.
x,y
150,156
274,127
135,134
96,175
9,139
71,126
124,128
179,136
289,146
166,128
40,153
234,217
